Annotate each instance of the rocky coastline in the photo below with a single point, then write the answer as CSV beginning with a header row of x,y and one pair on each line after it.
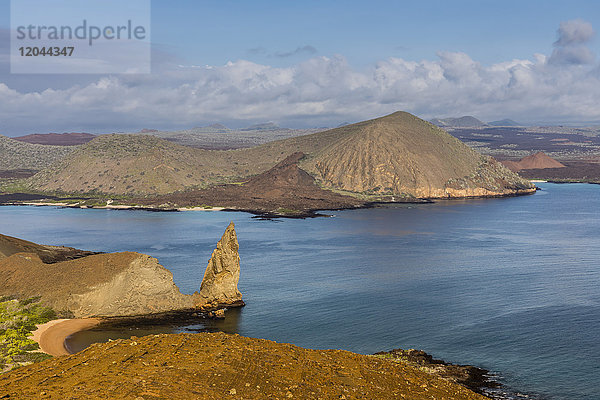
x,y
24,199
471,377
87,284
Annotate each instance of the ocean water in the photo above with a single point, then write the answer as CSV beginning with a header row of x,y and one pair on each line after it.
x,y
511,285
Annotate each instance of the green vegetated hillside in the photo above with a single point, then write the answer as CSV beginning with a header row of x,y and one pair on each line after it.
x,y
398,154
20,155
141,164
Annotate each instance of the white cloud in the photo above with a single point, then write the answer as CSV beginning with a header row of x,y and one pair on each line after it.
x,y
574,54
576,31
570,48
319,91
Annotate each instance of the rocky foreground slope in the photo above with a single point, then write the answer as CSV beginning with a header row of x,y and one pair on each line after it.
x,y
398,155
115,284
221,366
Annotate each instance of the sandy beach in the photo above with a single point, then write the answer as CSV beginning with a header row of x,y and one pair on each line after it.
x,y
112,206
201,209
38,204
51,335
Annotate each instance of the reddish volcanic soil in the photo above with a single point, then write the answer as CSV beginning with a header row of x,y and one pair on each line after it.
x,y
573,171
58,139
221,366
538,160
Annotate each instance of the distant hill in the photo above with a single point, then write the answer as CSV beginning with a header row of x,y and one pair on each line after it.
x,y
538,160
396,155
15,154
219,137
461,122
219,127
268,126
401,154
214,128
505,122
57,139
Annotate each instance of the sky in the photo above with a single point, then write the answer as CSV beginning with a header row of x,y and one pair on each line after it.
x,y
320,63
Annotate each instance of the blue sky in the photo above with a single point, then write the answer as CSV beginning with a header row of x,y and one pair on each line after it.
x,y
363,31
319,63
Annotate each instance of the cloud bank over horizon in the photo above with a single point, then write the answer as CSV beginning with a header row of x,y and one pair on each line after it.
x,y
563,87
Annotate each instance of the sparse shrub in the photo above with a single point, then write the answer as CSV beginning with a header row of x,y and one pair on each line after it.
x,y
17,320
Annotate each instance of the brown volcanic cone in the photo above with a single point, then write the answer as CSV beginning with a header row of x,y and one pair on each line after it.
x,y
285,173
285,188
401,154
538,160
221,366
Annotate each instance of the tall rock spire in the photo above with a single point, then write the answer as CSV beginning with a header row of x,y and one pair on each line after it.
x,y
219,286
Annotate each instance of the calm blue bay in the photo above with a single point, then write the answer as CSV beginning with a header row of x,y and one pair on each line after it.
x,y
511,285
